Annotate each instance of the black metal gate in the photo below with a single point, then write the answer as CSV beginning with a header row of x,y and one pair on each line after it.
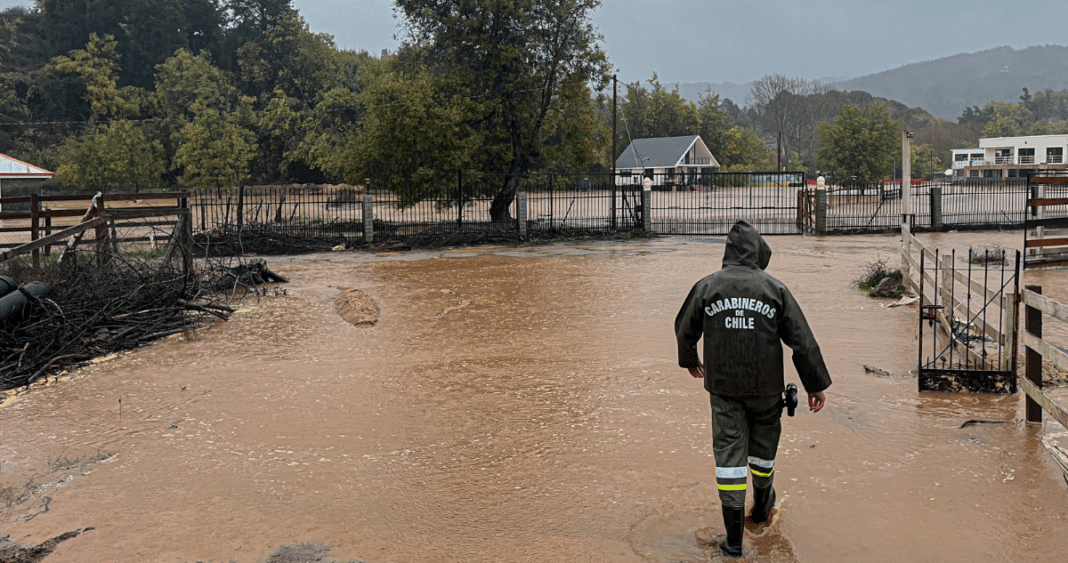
x,y
968,322
709,203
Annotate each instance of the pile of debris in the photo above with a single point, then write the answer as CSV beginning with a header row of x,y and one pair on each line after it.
x,y
91,305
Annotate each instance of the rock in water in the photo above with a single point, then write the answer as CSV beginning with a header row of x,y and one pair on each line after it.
x,y
885,288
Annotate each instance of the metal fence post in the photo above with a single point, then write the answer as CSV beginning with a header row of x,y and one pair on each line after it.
x,y
647,204
368,218
612,209
1033,361
521,213
821,212
936,208
459,198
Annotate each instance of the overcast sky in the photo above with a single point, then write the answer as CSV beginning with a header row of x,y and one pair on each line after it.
x,y
739,41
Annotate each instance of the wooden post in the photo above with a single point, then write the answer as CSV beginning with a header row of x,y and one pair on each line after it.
x,y
1033,362
35,225
101,232
185,223
240,208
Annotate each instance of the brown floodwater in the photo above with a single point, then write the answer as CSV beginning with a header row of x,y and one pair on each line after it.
x,y
519,404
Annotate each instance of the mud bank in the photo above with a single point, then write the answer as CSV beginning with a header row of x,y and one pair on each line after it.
x,y
520,404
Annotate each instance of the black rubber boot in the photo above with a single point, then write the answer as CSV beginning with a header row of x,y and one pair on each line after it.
x,y
763,502
733,520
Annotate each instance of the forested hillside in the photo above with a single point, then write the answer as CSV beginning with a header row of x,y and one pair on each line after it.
x,y
945,87
148,94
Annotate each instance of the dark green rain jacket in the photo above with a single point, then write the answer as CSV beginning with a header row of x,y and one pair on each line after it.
x,y
743,313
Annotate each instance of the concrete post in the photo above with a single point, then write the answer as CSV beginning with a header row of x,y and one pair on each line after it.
x,y
821,212
521,213
647,204
906,178
368,218
936,208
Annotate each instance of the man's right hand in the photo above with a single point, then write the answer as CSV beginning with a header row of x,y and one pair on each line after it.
x,y
697,372
816,401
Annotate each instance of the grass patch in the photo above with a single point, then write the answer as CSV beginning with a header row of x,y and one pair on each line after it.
x,y
874,273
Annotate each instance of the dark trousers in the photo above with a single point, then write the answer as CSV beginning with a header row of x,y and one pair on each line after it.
x,y
745,437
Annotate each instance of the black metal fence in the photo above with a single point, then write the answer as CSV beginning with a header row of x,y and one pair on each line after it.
x,y
709,203
936,205
327,213
687,203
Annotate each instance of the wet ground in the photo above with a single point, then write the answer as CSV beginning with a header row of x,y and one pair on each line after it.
x,y
518,405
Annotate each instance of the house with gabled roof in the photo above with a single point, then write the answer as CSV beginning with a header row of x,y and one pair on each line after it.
x,y
18,178
665,160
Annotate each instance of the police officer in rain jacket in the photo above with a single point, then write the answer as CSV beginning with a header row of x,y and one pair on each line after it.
x,y
743,313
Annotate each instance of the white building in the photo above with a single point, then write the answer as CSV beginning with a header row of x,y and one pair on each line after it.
x,y
1011,157
665,160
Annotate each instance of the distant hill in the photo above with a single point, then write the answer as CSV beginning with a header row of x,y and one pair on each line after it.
x,y
943,87
693,91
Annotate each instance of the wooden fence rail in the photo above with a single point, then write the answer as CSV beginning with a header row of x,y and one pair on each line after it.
x,y
1035,306
94,214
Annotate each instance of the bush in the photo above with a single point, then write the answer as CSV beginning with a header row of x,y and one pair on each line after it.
x,y
873,273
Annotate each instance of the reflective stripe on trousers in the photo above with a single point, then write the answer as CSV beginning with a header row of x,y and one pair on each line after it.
x,y
745,437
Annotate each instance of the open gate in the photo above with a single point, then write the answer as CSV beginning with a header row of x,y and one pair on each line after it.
x,y
968,322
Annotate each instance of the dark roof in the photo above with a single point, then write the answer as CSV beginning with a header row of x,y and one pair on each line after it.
x,y
663,152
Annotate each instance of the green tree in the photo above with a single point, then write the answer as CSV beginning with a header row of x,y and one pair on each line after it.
x,y
214,150
715,123
115,155
744,151
516,55
655,112
205,121
289,71
1010,120
925,164
863,143
96,68
435,140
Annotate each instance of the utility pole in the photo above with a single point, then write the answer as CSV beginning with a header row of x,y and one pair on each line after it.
x,y
906,181
614,153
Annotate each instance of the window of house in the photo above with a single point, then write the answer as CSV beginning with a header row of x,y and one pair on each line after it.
x,y
973,173
1027,156
991,173
1055,155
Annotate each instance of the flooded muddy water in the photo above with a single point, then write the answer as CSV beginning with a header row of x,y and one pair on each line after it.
x,y
518,404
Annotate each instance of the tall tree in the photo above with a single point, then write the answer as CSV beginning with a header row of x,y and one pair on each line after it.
x,y
204,121
96,68
516,55
415,137
110,156
862,144
790,107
